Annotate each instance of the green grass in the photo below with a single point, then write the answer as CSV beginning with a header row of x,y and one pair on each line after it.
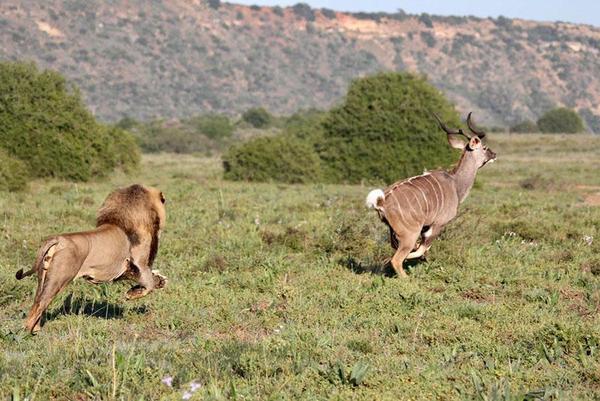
x,y
275,291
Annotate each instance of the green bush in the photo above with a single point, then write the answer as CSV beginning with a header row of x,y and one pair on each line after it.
x,y
161,136
213,126
282,158
307,125
258,117
525,127
204,134
44,123
124,149
13,173
561,120
384,130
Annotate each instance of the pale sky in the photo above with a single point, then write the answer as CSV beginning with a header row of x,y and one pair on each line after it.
x,y
579,11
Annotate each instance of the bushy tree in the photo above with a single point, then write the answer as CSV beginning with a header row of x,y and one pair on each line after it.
x,y
282,158
525,127
44,123
214,4
203,133
561,120
13,173
212,125
306,125
384,130
303,10
258,117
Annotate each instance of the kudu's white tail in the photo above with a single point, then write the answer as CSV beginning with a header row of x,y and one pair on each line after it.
x,y
375,199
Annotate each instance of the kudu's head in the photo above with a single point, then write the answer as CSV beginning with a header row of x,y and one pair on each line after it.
x,y
474,149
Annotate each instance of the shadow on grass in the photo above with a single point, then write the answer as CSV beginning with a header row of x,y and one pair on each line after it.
x,y
92,308
381,269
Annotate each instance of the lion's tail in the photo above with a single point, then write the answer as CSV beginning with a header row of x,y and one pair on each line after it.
x,y
19,275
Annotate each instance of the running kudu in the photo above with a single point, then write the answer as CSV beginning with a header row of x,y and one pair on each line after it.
x,y
419,207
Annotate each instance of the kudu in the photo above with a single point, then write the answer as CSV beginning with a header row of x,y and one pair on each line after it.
x,y
419,207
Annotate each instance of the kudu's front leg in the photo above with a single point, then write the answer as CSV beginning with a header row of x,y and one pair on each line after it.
x,y
427,238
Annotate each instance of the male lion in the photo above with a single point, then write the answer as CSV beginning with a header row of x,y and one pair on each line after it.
x,y
123,246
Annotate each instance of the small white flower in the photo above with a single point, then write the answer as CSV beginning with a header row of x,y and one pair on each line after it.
x,y
167,380
186,395
194,386
588,239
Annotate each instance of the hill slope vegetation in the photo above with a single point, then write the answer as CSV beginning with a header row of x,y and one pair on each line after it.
x,y
181,58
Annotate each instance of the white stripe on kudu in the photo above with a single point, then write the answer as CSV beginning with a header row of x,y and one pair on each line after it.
x,y
400,206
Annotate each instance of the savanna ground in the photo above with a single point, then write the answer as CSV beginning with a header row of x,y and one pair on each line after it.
x,y
279,291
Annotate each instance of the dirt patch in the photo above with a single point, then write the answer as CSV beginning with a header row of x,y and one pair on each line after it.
x,y
579,304
592,199
588,187
477,296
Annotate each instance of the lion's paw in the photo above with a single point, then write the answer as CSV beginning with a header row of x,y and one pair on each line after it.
x,y
136,292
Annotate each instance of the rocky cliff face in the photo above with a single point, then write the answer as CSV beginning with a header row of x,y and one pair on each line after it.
x,y
174,58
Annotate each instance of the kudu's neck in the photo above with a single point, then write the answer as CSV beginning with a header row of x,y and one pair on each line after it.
x,y
464,175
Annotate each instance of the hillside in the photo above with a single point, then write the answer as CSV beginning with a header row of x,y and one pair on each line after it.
x,y
176,58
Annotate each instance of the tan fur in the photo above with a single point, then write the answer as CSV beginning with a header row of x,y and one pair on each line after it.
x,y
122,246
419,207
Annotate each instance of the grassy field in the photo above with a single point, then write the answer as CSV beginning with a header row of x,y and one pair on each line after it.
x,y
280,292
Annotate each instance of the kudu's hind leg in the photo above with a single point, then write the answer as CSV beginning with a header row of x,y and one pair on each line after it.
x,y
407,242
393,238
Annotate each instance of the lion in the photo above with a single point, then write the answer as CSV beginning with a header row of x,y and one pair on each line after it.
x,y
123,245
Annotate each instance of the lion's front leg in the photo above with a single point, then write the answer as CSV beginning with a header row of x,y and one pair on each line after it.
x,y
144,287
146,283
143,255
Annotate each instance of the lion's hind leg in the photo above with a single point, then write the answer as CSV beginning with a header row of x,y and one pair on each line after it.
x,y
59,269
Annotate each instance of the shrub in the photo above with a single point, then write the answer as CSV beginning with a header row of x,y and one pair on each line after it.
x,y
212,125
44,122
161,136
328,13
384,130
561,120
214,4
428,38
304,11
13,173
525,127
306,125
204,133
281,158
425,19
258,117
124,148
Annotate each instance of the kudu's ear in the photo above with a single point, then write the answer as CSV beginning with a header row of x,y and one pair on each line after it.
x,y
475,143
456,141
